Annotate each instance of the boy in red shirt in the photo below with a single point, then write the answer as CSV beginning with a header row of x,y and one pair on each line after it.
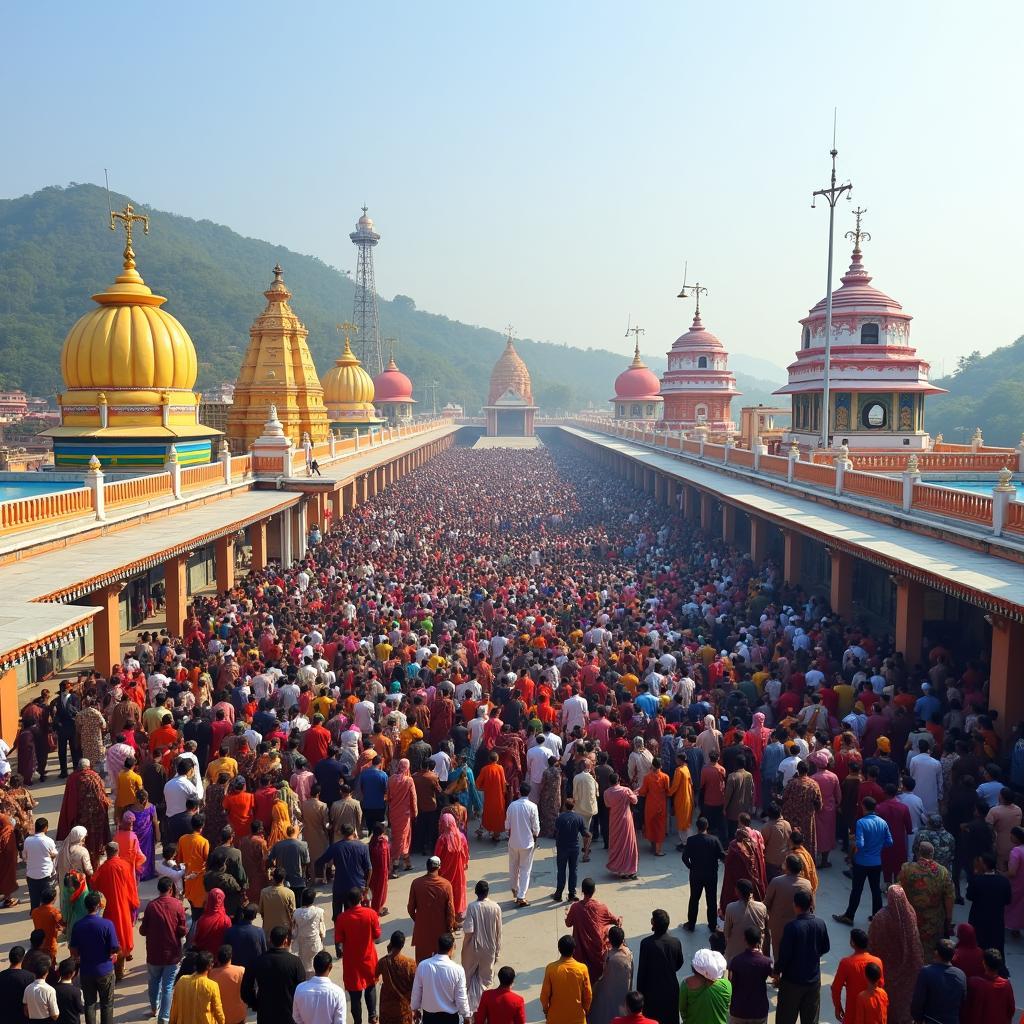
x,y
501,1005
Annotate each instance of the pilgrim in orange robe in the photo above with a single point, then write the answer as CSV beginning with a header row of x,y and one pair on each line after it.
x,y
491,782
115,878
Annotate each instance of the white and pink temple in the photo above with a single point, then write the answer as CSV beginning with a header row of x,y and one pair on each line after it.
x,y
637,392
877,382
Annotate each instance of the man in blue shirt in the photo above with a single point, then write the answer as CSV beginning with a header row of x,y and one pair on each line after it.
x,y
798,965
373,786
330,773
351,859
647,702
941,988
94,944
871,836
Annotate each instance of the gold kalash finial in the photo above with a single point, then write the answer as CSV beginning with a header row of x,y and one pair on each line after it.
x,y
857,236
347,329
128,216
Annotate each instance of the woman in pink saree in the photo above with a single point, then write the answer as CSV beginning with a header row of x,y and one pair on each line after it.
x,y
401,812
623,852
453,850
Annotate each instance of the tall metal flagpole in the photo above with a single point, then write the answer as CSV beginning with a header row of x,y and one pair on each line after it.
x,y
831,196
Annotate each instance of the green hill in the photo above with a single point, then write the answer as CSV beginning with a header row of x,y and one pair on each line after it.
x,y
985,391
56,251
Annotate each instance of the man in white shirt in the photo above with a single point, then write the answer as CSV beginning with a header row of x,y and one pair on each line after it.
x,y
536,764
319,1000
40,851
522,823
926,772
179,789
787,768
574,712
363,715
439,987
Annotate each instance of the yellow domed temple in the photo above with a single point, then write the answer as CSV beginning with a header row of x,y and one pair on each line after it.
x,y
129,370
348,392
277,370
510,409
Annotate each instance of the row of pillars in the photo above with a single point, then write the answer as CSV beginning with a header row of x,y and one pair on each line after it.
x,y
1007,655
282,535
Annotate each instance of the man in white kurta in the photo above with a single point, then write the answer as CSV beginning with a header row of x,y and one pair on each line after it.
x,y
926,772
481,928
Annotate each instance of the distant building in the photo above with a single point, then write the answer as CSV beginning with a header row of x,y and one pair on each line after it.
x,y
214,412
13,404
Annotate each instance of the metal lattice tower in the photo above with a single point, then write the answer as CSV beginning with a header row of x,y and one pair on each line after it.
x,y
364,308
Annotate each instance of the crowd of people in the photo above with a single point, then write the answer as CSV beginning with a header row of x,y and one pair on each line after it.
x,y
510,647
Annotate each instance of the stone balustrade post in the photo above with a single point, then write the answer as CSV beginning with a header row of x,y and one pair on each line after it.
x,y
842,464
332,442
1002,495
94,481
355,435
911,476
794,458
1020,454
174,467
225,459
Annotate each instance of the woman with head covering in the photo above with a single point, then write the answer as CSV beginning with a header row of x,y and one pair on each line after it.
x,y
210,928
74,856
380,868
128,844
757,737
549,802
893,937
73,890
969,955
826,818
710,738
705,996
743,859
453,850
280,820
401,812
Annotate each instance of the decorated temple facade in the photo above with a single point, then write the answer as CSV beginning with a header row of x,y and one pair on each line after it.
x,y
877,382
277,370
510,410
129,371
698,387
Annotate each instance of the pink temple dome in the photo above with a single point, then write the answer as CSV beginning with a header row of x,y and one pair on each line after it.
x,y
698,336
392,385
638,382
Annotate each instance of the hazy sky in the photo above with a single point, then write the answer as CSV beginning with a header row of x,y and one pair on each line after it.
x,y
554,164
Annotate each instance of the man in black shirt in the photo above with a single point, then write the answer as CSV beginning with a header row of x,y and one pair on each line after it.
x,y
70,1003
941,988
569,826
13,983
798,964
702,854
270,983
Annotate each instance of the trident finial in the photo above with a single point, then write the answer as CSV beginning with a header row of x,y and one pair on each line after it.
x,y
693,289
128,216
857,236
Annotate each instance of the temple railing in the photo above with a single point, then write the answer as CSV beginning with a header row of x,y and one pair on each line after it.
x,y
896,484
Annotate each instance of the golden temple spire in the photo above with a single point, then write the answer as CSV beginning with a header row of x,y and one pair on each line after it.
x,y
636,332
128,216
347,329
857,236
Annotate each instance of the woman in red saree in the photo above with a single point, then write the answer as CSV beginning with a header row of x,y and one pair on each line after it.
x,y
401,812
743,859
210,928
757,737
380,869
453,849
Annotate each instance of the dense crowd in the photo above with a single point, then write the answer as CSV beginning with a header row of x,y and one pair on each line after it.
x,y
510,647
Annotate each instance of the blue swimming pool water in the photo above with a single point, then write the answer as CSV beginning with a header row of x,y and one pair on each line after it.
x,y
977,486
11,490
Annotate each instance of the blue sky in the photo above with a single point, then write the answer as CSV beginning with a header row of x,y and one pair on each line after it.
x,y
554,164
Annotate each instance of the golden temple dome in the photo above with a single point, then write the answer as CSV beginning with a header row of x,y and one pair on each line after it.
x,y
510,374
348,387
129,342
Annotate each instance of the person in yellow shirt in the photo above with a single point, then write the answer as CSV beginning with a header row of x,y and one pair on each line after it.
x,y
324,705
129,782
196,998
630,682
409,735
225,763
566,994
383,649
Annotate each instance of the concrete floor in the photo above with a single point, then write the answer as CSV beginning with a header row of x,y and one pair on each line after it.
x,y
529,934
